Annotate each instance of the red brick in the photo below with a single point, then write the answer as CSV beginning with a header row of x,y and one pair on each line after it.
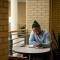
x,y
4,22
3,46
3,16
3,34
3,10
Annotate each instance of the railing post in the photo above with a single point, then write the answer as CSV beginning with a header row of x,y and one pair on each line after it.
x,y
11,44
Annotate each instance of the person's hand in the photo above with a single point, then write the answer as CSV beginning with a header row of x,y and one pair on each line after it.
x,y
38,46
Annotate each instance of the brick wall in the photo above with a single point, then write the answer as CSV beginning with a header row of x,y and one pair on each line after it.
x,y
3,29
55,19
56,16
21,14
37,10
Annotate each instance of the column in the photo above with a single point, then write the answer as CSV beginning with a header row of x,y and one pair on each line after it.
x,y
14,15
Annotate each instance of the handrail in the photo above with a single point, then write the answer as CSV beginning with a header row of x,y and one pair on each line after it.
x,y
15,38
18,42
12,33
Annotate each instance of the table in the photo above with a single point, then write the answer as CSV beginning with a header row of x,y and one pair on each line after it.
x,y
27,50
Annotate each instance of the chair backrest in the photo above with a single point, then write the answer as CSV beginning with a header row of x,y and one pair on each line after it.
x,y
16,58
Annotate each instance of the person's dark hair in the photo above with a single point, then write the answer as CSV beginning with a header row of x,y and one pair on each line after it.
x,y
35,24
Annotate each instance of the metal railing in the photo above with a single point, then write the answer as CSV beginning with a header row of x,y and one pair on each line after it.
x,y
20,37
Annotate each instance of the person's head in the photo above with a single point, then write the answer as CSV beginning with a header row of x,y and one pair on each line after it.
x,y
36,27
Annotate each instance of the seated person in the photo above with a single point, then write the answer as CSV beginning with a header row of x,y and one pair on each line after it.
x,y
38,37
